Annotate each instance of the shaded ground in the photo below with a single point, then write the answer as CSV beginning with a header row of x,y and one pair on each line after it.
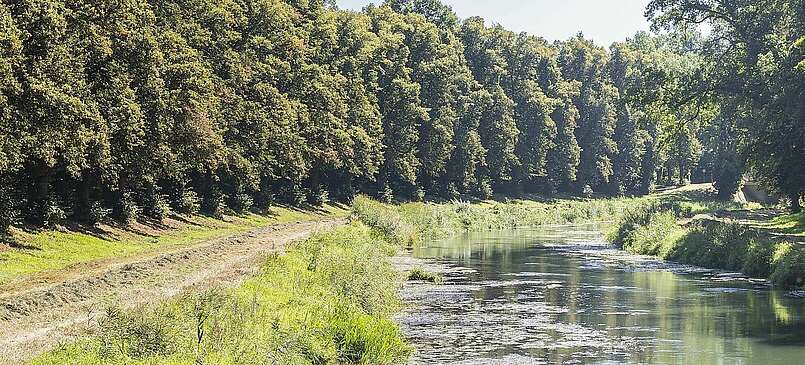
x,y
36,318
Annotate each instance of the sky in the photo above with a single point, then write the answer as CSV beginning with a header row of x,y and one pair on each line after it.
x,y
604,21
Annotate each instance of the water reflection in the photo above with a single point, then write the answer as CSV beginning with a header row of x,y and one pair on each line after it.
x,y
559,295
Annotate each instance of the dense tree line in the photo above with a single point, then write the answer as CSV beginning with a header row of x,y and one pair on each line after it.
x,y
138,107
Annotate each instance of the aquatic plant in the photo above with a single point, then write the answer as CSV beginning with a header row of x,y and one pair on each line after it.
x,y
420,274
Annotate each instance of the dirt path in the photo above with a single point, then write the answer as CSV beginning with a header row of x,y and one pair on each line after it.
x,y
35,320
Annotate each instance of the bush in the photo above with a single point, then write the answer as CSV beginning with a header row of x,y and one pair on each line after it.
x,y
386,220
213,203
241,203
8,210
186,201
318,196
587,191
127,209
155,205
137,334
53,214
386,195
653,229
789,266
97,212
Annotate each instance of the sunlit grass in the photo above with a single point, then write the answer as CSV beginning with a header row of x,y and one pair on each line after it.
x,y
411,223
36,252
326,301
793,224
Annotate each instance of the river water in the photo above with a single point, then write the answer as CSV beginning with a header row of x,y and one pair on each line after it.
x,y
560,295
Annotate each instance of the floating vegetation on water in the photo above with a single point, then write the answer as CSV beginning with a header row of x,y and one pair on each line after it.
x,y
420,274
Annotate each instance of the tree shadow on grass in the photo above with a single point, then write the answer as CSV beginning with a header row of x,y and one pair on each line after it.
x,y
11,242
89,230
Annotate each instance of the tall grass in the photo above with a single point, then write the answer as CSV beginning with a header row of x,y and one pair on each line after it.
x,y
410,223
326,301
653,229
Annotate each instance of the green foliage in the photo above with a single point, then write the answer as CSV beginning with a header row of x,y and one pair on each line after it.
x,y
653,229
313,305
409,223
752,72
385,219
217,106
420,274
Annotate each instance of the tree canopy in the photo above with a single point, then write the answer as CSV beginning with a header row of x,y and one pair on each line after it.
x,y
135,108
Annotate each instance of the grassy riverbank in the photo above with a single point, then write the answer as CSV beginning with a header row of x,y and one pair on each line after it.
x,y
43,254
667,231
325,301
329,299
410,223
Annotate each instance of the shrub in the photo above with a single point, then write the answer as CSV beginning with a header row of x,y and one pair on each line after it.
x,y
213,203
789,266
53,214
241,203
126,209
186,201
97,212
136,334
8,210
386,195
386,220
318,196
156,205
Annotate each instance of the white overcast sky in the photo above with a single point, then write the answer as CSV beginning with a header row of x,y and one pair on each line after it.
x,y
604,21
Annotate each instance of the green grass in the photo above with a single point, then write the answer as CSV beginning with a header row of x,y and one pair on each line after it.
x,y
654,229
410,223
53,250
793,224
326,301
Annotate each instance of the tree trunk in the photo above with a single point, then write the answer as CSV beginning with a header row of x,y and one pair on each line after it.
x,y
39,195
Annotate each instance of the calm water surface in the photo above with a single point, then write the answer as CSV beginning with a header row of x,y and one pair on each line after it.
x,y
559,295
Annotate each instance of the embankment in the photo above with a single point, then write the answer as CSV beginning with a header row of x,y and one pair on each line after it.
x,y
666,231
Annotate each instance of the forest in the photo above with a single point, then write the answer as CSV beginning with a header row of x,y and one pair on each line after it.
x,y
135,108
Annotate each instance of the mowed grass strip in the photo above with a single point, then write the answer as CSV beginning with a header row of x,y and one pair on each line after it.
x,y
29,253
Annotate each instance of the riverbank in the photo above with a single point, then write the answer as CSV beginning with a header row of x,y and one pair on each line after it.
x,y
326,300
410,223
331,297
664,230
677,224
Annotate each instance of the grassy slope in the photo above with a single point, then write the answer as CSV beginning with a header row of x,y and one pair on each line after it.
x,y
43,254
326,301
788,224
667,228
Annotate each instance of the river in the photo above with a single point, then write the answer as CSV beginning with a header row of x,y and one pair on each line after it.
x,y
560,295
